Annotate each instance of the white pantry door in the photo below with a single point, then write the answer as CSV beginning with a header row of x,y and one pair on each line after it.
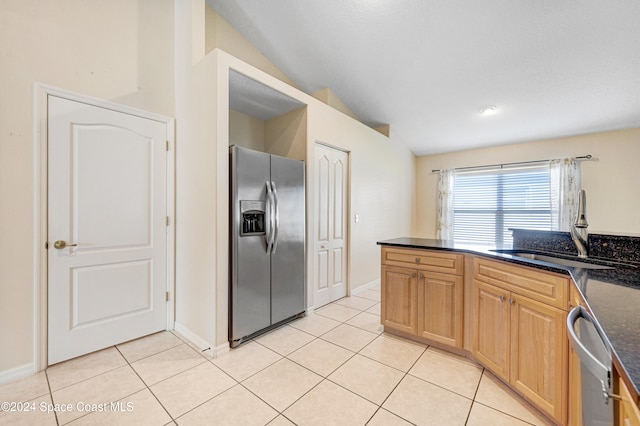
x,y
107,205
331,178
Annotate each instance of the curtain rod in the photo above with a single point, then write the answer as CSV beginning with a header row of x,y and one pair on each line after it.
x,y
584,157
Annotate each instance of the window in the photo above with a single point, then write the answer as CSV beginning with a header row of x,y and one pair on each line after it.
x,y
489,202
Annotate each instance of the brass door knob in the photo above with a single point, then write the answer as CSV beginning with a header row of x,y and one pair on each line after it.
x,y
60,244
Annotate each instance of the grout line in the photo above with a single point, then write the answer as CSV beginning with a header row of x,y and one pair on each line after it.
x,y
55,413
401,380
145,384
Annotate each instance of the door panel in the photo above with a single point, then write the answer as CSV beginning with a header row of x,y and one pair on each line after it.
x,y
107,180
399,308
440,307
338,198
323,195
95,150
331,189
539,350
490,340
96,291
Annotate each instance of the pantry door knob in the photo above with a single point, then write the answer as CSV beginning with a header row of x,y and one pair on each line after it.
x,y
60,244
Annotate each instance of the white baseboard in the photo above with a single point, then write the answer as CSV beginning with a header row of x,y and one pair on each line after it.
x,y
21,372
365,287
205,347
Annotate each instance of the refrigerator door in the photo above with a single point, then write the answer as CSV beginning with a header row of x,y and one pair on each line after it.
x,y
288,281
250,291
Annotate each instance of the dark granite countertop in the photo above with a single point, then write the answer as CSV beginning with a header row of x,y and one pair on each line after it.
x,y
612,295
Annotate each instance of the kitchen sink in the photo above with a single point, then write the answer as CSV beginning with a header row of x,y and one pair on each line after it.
x,y
553,259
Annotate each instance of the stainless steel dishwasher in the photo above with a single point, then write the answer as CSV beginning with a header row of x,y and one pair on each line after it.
x,y
594,350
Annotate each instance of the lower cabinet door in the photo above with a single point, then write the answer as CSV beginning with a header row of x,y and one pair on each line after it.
x,y
399,307
539,354
440,307
628,412
490,338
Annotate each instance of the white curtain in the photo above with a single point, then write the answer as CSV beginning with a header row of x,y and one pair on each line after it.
x,y
565,185
444,204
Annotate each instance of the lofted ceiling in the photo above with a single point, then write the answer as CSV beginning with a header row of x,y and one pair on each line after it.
x,y
553,68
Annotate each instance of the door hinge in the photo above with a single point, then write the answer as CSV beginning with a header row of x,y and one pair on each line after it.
x,y
168,221
168,296
167,145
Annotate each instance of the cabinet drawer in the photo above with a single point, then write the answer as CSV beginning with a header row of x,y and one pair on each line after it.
x,y
549,288
428,260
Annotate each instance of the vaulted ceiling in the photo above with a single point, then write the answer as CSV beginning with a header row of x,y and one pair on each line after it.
x,y
552,68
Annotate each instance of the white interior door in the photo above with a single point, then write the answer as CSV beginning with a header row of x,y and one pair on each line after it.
x,y
331,178
107,239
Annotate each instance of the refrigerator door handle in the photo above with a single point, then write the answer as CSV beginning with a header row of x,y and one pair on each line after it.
x,y
276,218
268,237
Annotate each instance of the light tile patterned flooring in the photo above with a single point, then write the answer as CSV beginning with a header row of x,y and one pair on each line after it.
x,y
333,367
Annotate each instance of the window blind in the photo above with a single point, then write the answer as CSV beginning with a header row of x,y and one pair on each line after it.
x,y
489,202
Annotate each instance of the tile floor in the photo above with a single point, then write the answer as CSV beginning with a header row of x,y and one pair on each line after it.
x,y
333,367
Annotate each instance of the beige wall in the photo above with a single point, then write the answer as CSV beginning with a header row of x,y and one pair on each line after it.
x,y
329,97
119,50
220,35
382,193
611,181
246,131
286,135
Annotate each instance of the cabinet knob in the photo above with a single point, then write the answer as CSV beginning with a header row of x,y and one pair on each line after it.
x,y
413,275
417,260
511,300
421,276
501,298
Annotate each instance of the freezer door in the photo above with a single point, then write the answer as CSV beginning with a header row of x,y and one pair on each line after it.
x,y
288,283
250,291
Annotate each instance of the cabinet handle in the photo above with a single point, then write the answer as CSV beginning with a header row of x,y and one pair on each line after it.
x,y
413,275
421,276
417,260
511,300
501,298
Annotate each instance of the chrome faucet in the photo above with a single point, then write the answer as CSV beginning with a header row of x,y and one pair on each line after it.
x,y
579,229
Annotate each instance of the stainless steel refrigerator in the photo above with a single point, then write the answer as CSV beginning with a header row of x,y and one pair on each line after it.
x,y
267,239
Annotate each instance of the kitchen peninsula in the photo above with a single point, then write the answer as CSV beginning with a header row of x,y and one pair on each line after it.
x,y
482,303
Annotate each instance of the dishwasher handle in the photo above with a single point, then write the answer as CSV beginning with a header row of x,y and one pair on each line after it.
x,y
588,360
586,357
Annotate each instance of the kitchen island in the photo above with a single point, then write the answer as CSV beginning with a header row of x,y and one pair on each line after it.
x,y
611,295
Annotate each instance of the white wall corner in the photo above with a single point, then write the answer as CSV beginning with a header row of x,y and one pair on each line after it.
x,y
205,347
367,286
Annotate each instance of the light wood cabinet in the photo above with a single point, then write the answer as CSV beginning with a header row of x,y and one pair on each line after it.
x,y
422,294
491,328
440,307
539,354
628,413
399,308
516,318
519,330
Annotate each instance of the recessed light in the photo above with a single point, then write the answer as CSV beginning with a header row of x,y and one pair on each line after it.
x,y
488,110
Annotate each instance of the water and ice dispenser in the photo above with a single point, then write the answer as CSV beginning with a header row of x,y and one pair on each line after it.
x,y
252,221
